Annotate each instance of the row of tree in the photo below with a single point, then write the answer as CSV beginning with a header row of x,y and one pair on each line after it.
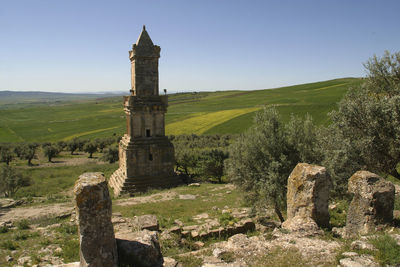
x,y
28,151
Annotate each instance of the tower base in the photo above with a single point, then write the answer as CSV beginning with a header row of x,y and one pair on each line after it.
x,y
144,164
122,184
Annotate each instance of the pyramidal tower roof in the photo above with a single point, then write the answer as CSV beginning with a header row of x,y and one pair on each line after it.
x,y
144,38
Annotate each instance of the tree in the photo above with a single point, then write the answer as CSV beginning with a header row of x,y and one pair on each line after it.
x,y
101,144
185,160
28,152
111,154
365,130
61,145
11,180
72,145
262,158
6,153
90,147
212,163
50,151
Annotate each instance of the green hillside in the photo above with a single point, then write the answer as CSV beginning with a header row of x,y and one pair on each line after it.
x,y
199,113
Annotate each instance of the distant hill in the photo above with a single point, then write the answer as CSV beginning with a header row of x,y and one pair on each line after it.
x,y
8,98
188,113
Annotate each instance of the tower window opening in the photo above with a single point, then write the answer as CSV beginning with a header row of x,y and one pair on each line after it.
x,y
150,157
148,133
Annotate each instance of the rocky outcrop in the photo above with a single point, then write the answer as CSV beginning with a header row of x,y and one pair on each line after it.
x,y
372,204
139,249
93,210
307,198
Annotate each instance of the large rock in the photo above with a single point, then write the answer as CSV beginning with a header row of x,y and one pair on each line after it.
x,y
372,204
139,249
307,198
93,210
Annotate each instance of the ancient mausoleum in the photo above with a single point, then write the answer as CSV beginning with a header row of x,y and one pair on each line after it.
x,y
146,156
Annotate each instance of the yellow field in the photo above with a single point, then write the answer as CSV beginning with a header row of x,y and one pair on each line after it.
x,y
200,122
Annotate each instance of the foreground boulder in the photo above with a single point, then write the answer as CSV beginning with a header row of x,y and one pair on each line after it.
x,y
372,204
139,249
307,198
93,211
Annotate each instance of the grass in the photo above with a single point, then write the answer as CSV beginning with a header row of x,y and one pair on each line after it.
x,y
388,250
200,113
54,182
338,214
280,257
28,242
168,211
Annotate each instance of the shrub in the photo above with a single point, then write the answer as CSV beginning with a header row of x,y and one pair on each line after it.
x,y
8,244
23,224
11,181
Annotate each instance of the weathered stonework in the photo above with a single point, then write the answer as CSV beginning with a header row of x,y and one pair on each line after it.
x,y
307,198
93,210
372,204
146,156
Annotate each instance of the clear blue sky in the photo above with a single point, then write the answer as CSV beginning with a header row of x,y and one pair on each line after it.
x,y
82,46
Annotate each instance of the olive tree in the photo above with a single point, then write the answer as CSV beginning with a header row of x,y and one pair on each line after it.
x,y
365,130
111,154
6,153
50,150
211,163
11,180
262,158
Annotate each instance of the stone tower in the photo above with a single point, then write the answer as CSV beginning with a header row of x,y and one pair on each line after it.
x,y
146,156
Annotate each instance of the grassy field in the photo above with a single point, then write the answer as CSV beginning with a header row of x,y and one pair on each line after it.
x,y
198,113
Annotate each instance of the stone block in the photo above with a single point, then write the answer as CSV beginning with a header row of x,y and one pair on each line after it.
x,y
307,198
372,204
93,211
139,249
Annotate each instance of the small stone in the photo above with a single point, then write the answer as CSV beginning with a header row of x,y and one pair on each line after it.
x,y
217,252
24,260
9,258
358,261
58,250
198,245
201,216
175,230
358,244
194,185
179,223
194,234
170,262
148,222
187,197
349,254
